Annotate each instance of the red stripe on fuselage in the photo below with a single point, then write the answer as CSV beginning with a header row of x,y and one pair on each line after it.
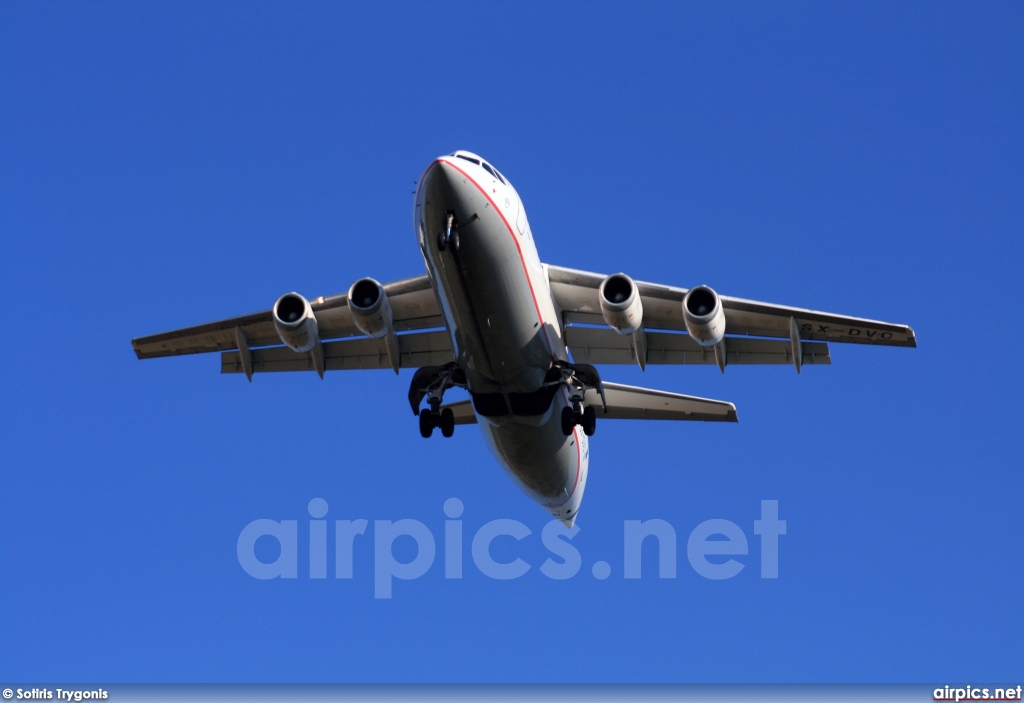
x,y
579,462
522,259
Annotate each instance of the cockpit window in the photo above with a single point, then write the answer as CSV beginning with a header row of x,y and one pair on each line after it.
x,y
494,172
475,161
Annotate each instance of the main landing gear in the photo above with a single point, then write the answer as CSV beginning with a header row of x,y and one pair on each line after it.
x,y
579,378
431,417
431,382
450,234
587,419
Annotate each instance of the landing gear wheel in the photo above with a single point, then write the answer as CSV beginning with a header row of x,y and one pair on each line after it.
x,y
426,423
589,420
447,422
454,239
568,421
442,241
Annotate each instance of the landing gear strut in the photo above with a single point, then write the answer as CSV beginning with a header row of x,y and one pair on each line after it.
x,y
450,234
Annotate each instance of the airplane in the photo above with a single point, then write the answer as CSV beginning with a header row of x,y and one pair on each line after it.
x,y
521,336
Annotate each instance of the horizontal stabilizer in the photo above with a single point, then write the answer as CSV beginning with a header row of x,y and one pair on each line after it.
x,y
633,403
463,410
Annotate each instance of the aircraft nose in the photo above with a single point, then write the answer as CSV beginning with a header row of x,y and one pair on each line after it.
x,y
438,181
451,180
445,184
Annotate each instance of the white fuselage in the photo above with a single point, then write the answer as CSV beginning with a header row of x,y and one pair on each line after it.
x,y
505,329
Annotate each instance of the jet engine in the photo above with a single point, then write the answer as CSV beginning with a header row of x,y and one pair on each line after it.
x,y
704,316
371,310
620,303
295,322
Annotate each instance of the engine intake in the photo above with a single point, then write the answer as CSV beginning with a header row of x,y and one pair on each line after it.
x,y
620,303
295,322
704,316
371,310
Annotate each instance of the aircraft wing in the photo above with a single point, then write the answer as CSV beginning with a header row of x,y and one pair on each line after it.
x,y
413,304
576,293
633,403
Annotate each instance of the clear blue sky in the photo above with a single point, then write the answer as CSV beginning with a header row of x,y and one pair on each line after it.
x,y
167,164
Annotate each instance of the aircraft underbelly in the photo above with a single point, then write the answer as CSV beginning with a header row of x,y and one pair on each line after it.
x,y
491,301
547,464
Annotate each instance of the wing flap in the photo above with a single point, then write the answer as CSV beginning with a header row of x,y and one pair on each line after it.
x,y
592,345
634,403
416,349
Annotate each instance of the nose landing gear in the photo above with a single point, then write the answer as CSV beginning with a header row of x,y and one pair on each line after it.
x,y
450,234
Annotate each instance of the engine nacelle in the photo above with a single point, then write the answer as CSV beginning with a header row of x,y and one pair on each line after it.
x,y
620,303
295,322
704,316
371,310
